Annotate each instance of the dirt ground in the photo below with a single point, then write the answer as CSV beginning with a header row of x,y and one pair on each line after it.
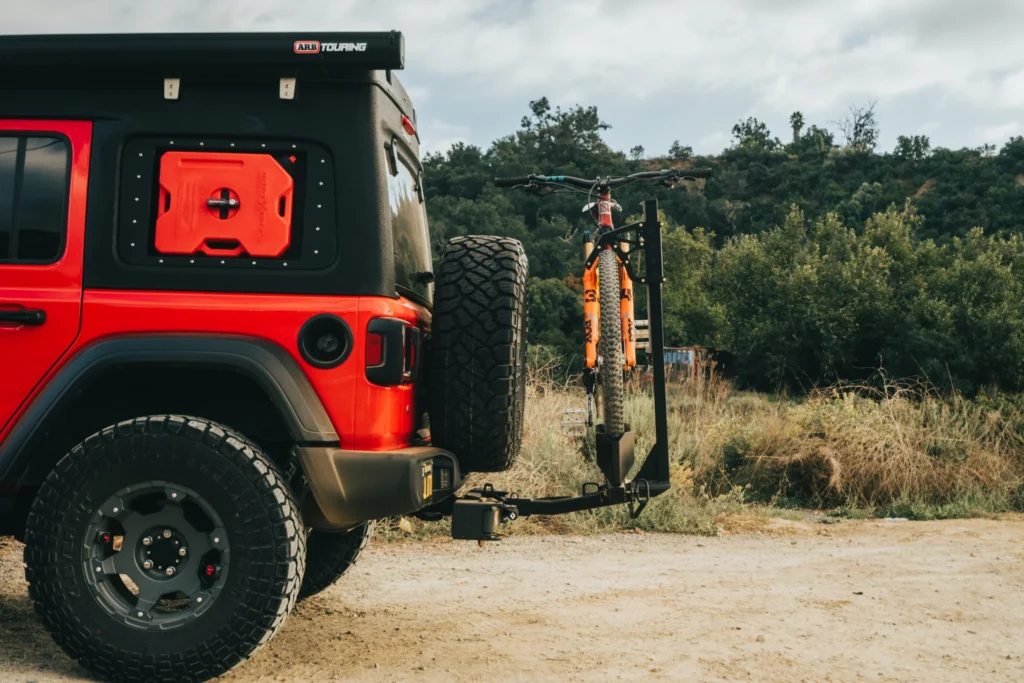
x,y
770,601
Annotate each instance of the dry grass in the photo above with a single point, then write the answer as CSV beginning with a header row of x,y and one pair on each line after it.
x,y
901,450
878,448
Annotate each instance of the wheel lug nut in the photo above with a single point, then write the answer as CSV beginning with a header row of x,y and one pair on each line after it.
x,y
167,533
182,552
148,540
148,564
170,571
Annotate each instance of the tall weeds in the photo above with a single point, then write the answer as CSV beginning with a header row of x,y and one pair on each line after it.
x,y
900,449
863,447
898,446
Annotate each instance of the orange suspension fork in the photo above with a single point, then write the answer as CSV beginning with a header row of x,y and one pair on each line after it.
x,y
591,307
626,311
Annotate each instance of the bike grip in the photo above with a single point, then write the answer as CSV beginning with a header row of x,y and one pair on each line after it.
x,y
511,182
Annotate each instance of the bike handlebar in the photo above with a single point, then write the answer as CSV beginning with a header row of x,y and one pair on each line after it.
x,y
537,180
512,182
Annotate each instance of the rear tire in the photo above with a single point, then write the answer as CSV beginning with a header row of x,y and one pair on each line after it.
x,y
329,554
610,345
477,356
162,484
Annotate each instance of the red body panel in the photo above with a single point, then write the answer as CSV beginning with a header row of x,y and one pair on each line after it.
x,y
366,416
28,353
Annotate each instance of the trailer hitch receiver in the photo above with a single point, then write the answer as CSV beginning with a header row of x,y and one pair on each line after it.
x,y
478,520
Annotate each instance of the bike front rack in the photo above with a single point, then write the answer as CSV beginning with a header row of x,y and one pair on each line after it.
x,y
477,515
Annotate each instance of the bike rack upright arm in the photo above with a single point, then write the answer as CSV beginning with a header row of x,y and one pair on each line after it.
x,y
655,467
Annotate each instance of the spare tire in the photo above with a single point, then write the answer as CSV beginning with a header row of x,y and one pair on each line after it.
x,y
477,354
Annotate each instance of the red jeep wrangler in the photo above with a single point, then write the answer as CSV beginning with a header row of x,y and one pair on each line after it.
x,y
225,351
216,293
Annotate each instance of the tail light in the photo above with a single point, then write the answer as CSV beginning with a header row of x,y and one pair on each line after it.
x,y
392,351
374,349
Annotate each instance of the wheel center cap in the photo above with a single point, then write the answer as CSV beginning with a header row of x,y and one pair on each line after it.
x,y
166,549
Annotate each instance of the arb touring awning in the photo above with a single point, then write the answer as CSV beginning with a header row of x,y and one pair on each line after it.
x,y
312,53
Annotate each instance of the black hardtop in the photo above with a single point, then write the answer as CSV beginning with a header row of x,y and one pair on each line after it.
x,y
323,54
346,112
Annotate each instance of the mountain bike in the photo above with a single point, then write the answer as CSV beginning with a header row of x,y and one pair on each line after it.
x,y
608,304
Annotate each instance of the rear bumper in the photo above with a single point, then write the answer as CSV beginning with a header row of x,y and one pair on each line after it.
x,y
350,487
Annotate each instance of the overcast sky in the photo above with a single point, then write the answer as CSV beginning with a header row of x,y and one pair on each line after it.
x,y
658,70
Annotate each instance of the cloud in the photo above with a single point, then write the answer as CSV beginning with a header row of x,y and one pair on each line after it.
x,y
807,53
999,133
713,141
438,136
1011,90
418,93
769,57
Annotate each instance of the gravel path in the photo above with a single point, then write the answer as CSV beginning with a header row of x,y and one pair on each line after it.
x,y
777,601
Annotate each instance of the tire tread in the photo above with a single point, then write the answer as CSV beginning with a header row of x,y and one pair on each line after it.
x,y
477,363
610,344
242,466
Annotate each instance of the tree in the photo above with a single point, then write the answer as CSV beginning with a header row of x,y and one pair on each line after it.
x,y
556,316
796,121
913,148
692,313
814,140
859,128
754,134
878,262
679,152
540,109
556,136
636,153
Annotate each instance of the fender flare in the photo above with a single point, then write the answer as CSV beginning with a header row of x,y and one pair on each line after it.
x,y
268,364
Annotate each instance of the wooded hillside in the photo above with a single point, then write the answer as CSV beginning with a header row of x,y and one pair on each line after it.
x,y
816,259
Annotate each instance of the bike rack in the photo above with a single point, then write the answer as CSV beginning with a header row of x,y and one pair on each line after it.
x,y
477,515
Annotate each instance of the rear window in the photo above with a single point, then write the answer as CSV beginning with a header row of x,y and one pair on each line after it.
x,y
34,179
409,230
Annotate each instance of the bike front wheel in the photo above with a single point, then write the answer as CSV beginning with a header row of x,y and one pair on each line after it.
x,y
610,345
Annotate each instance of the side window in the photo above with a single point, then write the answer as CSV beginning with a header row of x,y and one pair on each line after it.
x,y
8,162
408,229
34,180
